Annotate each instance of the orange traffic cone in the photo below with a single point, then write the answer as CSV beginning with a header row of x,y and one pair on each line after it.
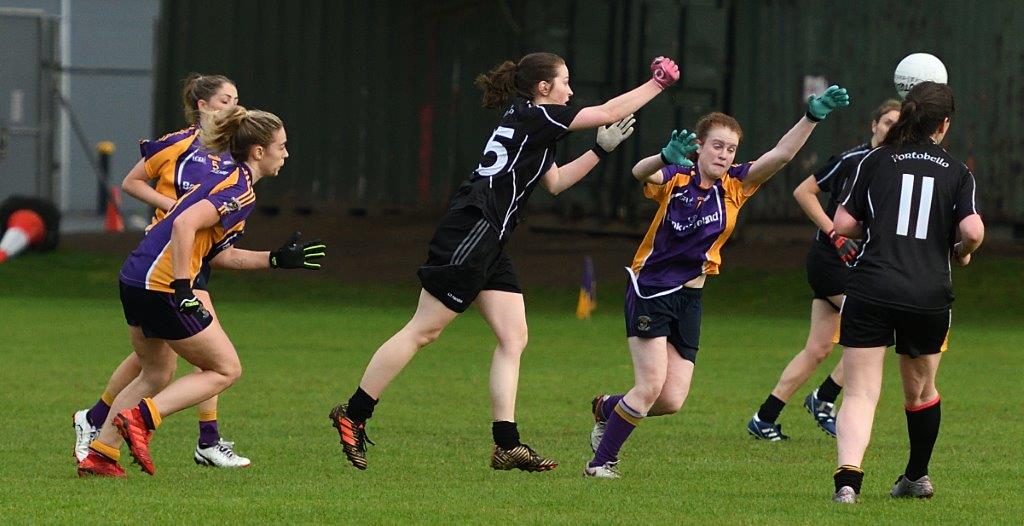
x,y
114,222
24,228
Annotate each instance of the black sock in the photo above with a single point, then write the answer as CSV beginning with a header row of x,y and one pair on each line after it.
x,y
828,391
923,429
506,434
848,475
770,409
360,406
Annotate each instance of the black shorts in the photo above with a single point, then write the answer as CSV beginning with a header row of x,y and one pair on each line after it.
x,y
154,312
826,273
465,257
202,281
675,315
866,324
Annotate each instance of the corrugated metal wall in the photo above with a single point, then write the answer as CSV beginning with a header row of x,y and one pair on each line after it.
x,y
858,45
381,110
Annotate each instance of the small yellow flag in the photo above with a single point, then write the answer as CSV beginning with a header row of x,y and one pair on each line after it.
x,y
588,290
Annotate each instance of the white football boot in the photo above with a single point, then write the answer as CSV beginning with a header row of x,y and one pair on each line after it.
x,y
85,433
608,470
220,455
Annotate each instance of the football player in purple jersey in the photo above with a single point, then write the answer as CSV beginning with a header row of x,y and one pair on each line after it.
x,y
699,192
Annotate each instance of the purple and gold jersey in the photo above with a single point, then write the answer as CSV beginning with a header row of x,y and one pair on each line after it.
x,y
149,265
179,162
692,223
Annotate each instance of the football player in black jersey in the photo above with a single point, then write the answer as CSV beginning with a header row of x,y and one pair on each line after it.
x,y
826,273
467,261
908,200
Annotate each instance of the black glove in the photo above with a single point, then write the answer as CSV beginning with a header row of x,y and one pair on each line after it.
x,y
186,301
292,255
846,247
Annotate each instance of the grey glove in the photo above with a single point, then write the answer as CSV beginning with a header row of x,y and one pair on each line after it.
x,y
609,137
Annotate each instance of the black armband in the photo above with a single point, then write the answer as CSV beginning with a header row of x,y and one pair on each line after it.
x,y
600,152
810,117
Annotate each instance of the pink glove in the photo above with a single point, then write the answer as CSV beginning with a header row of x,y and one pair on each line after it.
x,y
664,71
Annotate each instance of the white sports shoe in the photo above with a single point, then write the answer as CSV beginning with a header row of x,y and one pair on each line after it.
x,y
85,433
220,455
608,470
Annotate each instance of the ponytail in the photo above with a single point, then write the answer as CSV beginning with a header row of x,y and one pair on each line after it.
x,y
237,130
498,84
925,109
517,79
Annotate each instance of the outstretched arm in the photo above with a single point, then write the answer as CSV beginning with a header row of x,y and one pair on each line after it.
x,y
680,145
664,73
818,108
769,163
557,179
240,259
136,184
648,169
291,255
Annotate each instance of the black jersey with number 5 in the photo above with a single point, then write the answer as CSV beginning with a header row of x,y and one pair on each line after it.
x,y
520,150
910,200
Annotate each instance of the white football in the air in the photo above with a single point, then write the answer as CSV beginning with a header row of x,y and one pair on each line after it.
x,y
916,68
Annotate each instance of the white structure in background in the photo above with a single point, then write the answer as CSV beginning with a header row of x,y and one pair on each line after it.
x,y
99,56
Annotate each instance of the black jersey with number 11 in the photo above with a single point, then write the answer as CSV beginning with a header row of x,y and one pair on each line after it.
x,y
910,200
520,150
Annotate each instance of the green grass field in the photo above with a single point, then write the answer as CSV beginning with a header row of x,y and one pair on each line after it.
x,y
304,341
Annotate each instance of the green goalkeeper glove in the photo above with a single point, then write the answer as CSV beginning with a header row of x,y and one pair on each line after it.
x,y
818,107
679,148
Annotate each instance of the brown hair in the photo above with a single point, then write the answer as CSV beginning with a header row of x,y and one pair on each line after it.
x,y
885,107
510,78
713,119
196,87
237,130
927,105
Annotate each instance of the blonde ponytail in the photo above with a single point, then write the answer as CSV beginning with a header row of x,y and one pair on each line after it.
x,y
237,130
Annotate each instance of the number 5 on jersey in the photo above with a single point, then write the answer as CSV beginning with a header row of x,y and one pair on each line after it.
x,y
498,149
924,208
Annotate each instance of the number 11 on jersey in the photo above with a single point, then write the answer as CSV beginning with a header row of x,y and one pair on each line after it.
x,y
924,209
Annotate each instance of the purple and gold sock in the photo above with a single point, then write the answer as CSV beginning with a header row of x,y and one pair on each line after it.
x,y
209,434
609,405
98,413
621,423
150,414
105,450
